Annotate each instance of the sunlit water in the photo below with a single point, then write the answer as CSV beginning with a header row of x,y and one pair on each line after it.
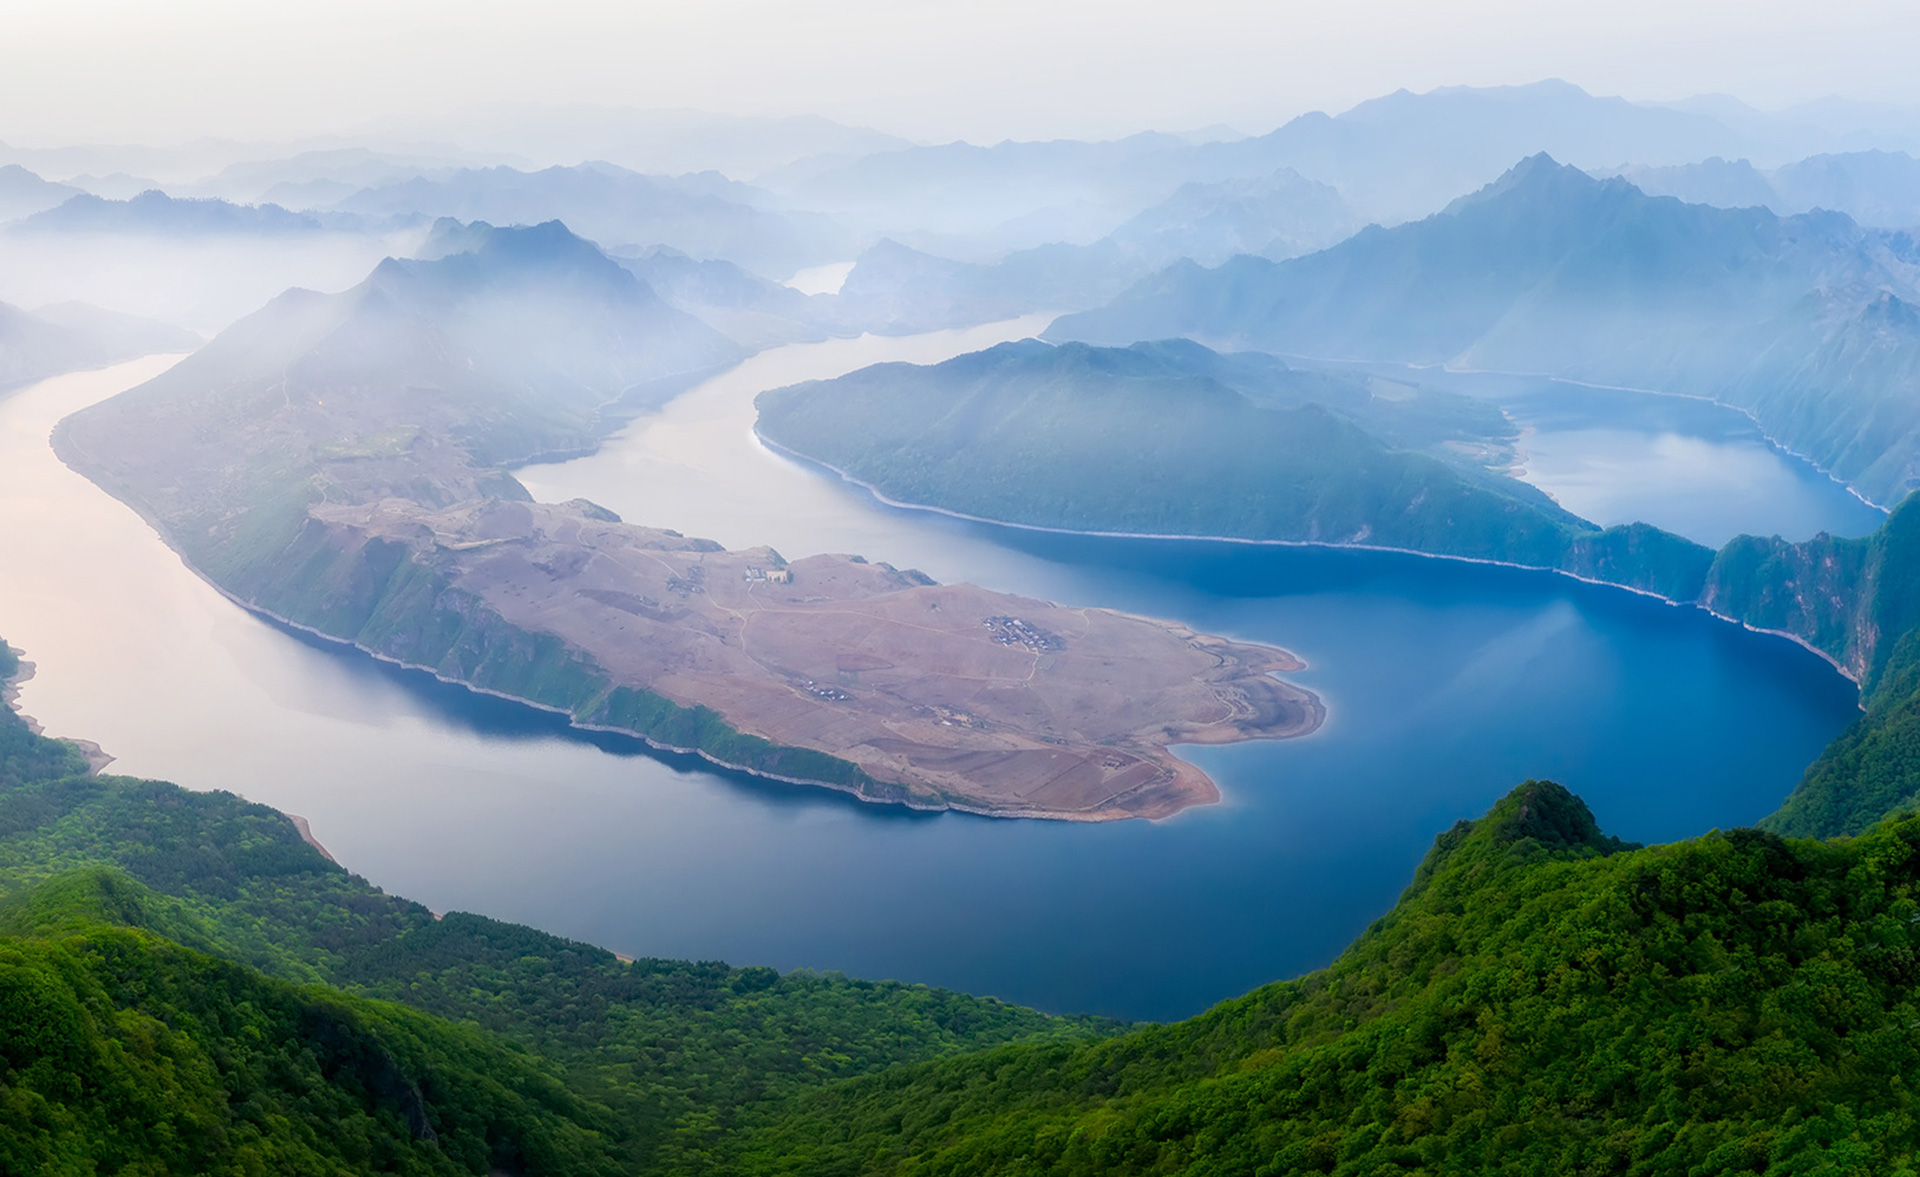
x,y
1447,684
1700,469
826,279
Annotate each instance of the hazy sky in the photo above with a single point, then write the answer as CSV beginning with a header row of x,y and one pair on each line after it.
x,y
164,70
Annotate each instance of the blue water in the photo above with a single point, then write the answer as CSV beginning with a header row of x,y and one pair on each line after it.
x,y
1700,469
1447,684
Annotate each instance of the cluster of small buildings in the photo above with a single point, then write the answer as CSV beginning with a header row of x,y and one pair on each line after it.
x,y
768,576
1012,631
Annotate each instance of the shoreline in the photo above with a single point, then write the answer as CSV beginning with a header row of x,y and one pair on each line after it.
x,y
306,835
69,454
648,741
97,758
882,498
1761,429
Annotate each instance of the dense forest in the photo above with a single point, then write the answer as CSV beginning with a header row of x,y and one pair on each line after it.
x,y
187,987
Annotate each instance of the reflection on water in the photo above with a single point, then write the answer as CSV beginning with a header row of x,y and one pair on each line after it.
x,y
1700,469
1447,683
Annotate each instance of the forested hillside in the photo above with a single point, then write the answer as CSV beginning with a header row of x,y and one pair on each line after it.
x,y
1542,1000
246,985
184,983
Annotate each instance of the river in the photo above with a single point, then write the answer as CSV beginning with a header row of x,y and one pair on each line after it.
x,y
1447,683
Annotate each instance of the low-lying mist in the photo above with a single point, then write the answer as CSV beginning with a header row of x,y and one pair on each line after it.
x,y
202,284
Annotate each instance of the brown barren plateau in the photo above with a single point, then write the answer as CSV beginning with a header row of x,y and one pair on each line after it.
x,y
969,698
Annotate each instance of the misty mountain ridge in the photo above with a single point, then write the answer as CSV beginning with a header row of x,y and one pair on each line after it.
x,y
1876,188
752,311
69,336
22,193
1550,270
672,142
895,288
414,383
154,212
704,215
1392,159
320,177
534,305
1279,215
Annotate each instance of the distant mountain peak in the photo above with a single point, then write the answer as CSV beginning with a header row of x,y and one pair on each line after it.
x,y
1537,173
1537,819
463,259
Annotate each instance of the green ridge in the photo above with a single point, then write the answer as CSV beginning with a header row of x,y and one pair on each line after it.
x,y
1542,1000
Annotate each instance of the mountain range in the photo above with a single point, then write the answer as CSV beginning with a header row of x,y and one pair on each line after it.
x,y
22,193
1806,321
157,214
704,215
1394,158
1876,188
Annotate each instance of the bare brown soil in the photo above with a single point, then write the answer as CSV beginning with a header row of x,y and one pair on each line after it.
x,y
1066,714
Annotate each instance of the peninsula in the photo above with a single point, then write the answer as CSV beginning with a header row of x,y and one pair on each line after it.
x,y
340,463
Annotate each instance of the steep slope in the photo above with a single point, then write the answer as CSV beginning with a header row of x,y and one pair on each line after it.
x,y
1873,768
1542,999
1798,319
1854,599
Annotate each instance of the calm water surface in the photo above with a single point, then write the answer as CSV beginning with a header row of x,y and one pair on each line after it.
x,y
1447,685
1703,470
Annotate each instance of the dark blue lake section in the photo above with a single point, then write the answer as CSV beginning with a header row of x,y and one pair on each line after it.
x,y
1448,684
